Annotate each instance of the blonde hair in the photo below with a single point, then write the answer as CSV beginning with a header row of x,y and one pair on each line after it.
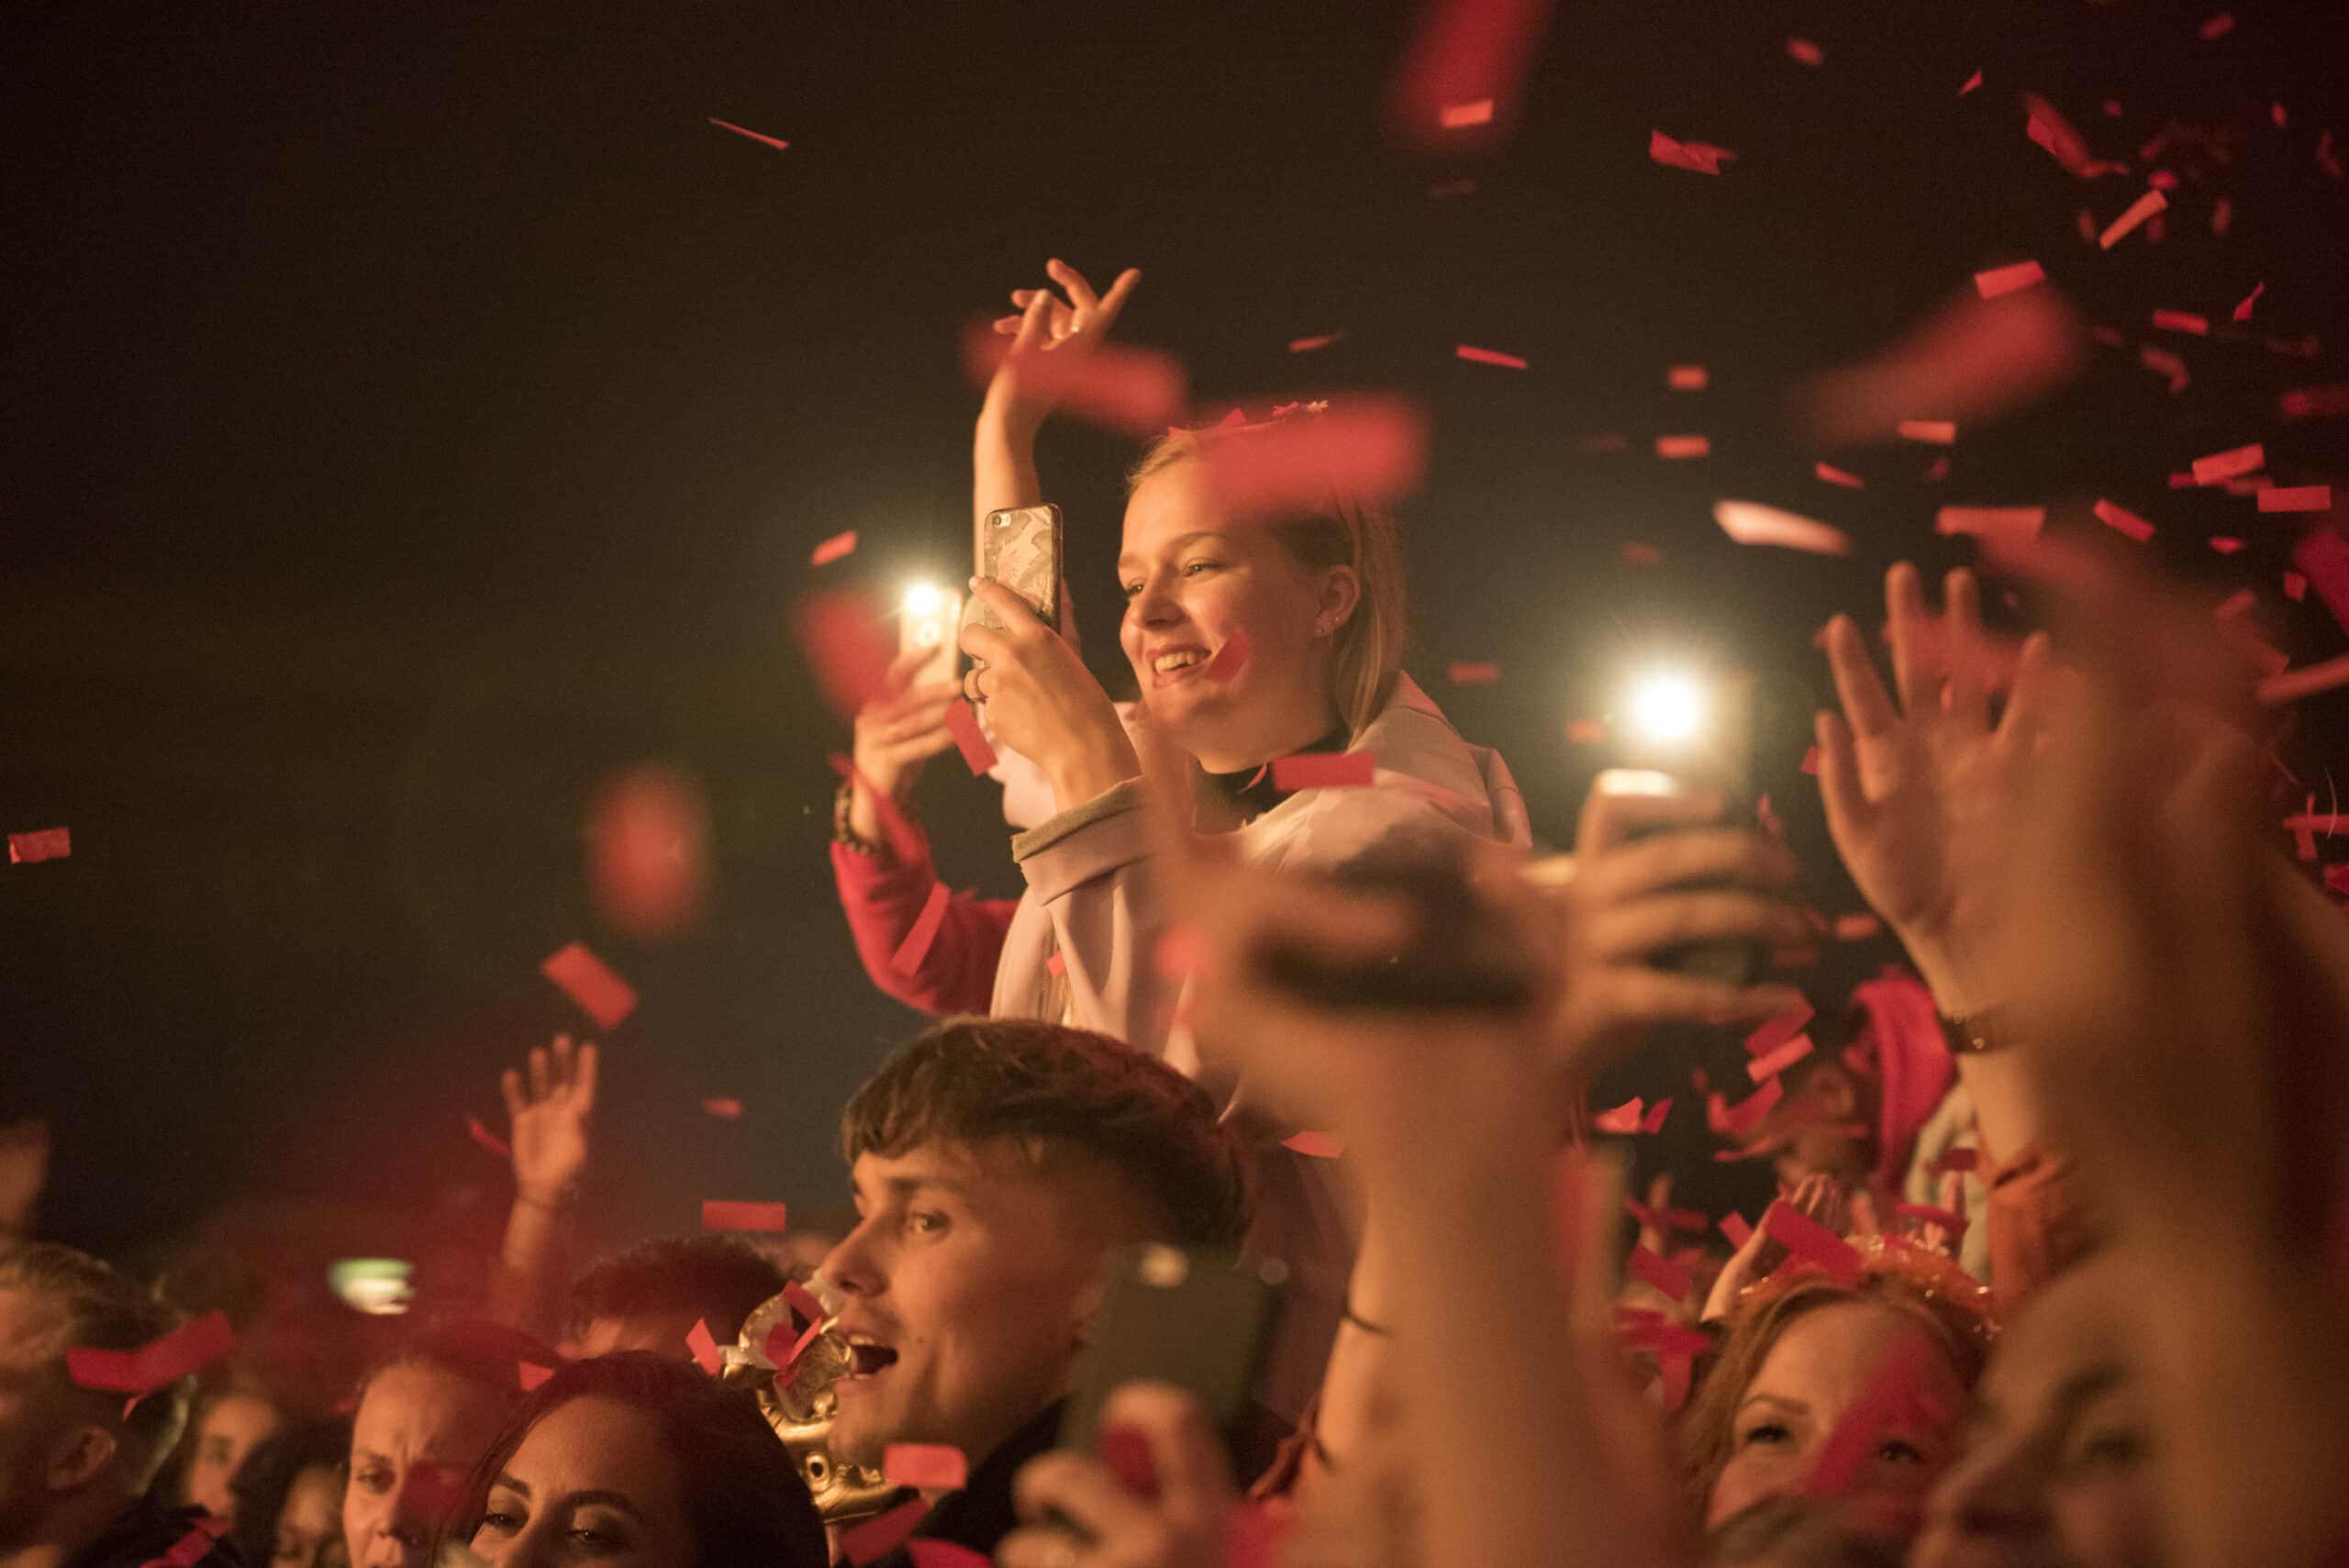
x,y
1343,531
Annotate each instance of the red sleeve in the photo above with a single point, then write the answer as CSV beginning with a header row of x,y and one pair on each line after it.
x,y
2040,1221
884,900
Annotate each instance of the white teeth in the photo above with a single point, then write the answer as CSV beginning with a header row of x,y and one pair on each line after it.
x,y
1182,661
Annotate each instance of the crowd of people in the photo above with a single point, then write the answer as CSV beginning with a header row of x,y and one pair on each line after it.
x,y
2056,1273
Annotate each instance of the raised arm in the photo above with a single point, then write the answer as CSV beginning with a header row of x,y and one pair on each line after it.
x,y
1002,449
549,1112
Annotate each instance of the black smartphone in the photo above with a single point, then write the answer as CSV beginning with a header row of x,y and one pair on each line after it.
x,y
1200,1322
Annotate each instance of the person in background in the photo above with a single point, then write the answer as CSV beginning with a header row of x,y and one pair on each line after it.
x,y
227,1425
76,1465
424,1415
996,1162
549,1108
634,1461
289,1498
649,1297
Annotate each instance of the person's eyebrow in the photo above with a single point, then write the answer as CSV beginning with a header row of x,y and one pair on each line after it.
x,y
1176,547
608,1498
2082,1386
510,1484
1780,1401
902,1186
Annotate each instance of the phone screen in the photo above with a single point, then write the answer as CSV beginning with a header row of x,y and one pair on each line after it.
x,y
1201,1323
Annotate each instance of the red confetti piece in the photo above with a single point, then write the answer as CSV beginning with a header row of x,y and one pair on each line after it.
x,y
1934,432
1667,1220
1750,523
832,549
879,1536
1467,674
1682,446
2330,676
2297,498
2136,213
1455,117
480,1134
1462,51
1685,378
1372,449
1653,1121
1734,1226
530,1375
931,1466
193,1547
1639,554
1695,156
2046,126
2242,310
2314,403
1893,1393
584,978
1737,1121
703,1348
2155,357
1585,731
47,844
721,1214
1771,1064
1315,1145
1774,1032
1971,82
1623,1118
727,125
1957,1160
724,1110
1812,1241
1488,357
2219,26
2181,321
908,959
929,1552
2162,180
1990,284
964,725
1835,475
155,1365
1056,964
840,635
1306,345
2324,557
2226,465
1856,928
1324,770
2235,604
648,831
1254,1534
2336,878
2223,215
1137,391
1663,1274
2125,520
1805,53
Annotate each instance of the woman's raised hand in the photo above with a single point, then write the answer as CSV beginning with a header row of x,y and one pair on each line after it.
x,y
1042,701
1917,794
897,731
1072,322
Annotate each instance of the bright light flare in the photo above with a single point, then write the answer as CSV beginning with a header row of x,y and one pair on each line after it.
x,y
924,599
1667,705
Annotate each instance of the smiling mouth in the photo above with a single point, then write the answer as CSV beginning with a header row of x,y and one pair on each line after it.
x,y
869,1356
1177,664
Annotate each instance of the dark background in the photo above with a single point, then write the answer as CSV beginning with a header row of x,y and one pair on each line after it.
x,y
414,414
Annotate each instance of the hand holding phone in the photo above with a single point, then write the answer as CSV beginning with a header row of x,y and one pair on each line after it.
x,y
1020,547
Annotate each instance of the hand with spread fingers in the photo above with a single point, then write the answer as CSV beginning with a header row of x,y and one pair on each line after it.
x,y
550,1116
1167,1502
1917,794
1042,701
1074,322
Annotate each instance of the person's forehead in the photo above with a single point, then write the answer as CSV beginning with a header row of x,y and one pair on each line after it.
x,y
1832,1347
1175,500
30,1326
992,1175
410,1405
592,1444
2067,1332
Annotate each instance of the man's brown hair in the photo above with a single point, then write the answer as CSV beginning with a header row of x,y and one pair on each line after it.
x,y
97,1307
1044,1090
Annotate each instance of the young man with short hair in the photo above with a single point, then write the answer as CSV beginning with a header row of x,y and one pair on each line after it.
x,y
995,1162
75,1463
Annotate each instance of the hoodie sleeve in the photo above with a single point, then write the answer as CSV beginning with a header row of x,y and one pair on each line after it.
x,y
1091,869
883,899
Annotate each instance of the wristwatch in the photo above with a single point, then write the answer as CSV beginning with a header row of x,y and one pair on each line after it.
x,y
1971,1034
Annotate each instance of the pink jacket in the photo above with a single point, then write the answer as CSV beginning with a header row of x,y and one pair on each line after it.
x,y
1093,898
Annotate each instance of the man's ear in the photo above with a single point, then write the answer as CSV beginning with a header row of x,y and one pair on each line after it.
x,y
1341,598
79,1457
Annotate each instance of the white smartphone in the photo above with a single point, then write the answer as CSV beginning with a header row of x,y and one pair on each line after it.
x,y
929,618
